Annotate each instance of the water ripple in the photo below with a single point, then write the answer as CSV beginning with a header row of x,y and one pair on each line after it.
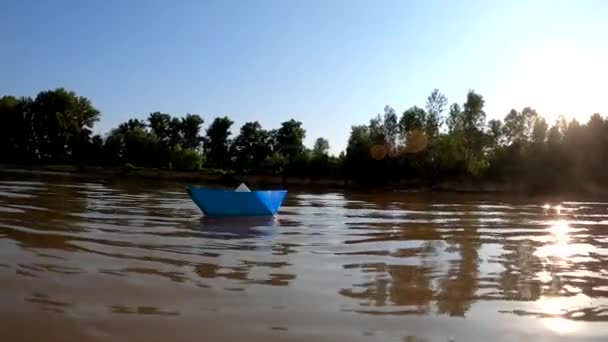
x,y
146,251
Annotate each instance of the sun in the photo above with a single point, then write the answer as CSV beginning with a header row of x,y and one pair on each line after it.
x,y
558,81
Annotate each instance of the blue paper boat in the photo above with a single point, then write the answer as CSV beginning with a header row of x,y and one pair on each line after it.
x,y
229,203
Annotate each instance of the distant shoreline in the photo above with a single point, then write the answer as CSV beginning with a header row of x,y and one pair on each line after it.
x,y
217,179
221,179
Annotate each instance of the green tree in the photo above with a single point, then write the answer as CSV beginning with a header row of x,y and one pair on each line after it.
x,y
15,132
539,132
185,159
468,129
519,126
217,142
454,120
275,163
132,143
251,147
190,131
290,139
141,148
495,132
175,133
358,151
594,152
300,165
160,124
273,141
376,131
436,104
132,124
554,137
391,127
321,147
412,119
95,151
473,116
320,163
56,127
61,122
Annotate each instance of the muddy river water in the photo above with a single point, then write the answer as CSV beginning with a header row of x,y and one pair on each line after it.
x,y
85,260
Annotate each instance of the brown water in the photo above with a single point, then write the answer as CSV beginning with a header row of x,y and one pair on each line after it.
x,y
134,261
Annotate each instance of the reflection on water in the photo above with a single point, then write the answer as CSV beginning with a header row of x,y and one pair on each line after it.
x,y
332,266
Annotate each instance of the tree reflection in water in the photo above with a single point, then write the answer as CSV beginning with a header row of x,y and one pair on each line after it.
x,y
550,263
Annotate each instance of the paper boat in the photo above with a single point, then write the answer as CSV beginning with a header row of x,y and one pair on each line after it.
x,y
238,202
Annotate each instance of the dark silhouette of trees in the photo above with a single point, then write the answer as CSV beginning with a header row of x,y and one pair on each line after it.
x,y
321,148
251,147
290,139
217,142
54,127
421,146
190,127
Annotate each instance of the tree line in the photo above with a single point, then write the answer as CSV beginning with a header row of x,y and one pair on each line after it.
x,y
436,142
57,127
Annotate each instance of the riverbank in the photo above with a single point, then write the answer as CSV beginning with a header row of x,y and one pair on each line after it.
x,y
219,178
211,177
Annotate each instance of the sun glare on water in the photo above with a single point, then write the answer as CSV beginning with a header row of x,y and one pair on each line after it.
x,y
558,252
562,325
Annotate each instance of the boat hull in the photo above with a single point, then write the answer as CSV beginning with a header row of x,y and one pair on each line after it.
x,y
226,203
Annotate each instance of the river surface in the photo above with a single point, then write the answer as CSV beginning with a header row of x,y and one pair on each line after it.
x,y
84,260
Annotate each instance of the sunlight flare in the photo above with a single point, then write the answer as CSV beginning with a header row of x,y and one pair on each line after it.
x,y
554,79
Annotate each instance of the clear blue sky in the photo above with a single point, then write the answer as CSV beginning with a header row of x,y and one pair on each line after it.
x,y
330,63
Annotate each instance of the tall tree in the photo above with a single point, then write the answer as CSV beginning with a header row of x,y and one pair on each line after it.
x,y
554,137
412,129
61,121
412,119
160,124
290,138
454,120
191,127
376,131
473,115
495,132
391,127
131,142
217,142
519,126
132,124
595,150
436,104
539,132
251,147
472,133
15,131
320,160
321,147
175,134
358,151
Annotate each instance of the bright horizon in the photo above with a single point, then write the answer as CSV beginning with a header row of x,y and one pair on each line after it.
x,y
328,64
